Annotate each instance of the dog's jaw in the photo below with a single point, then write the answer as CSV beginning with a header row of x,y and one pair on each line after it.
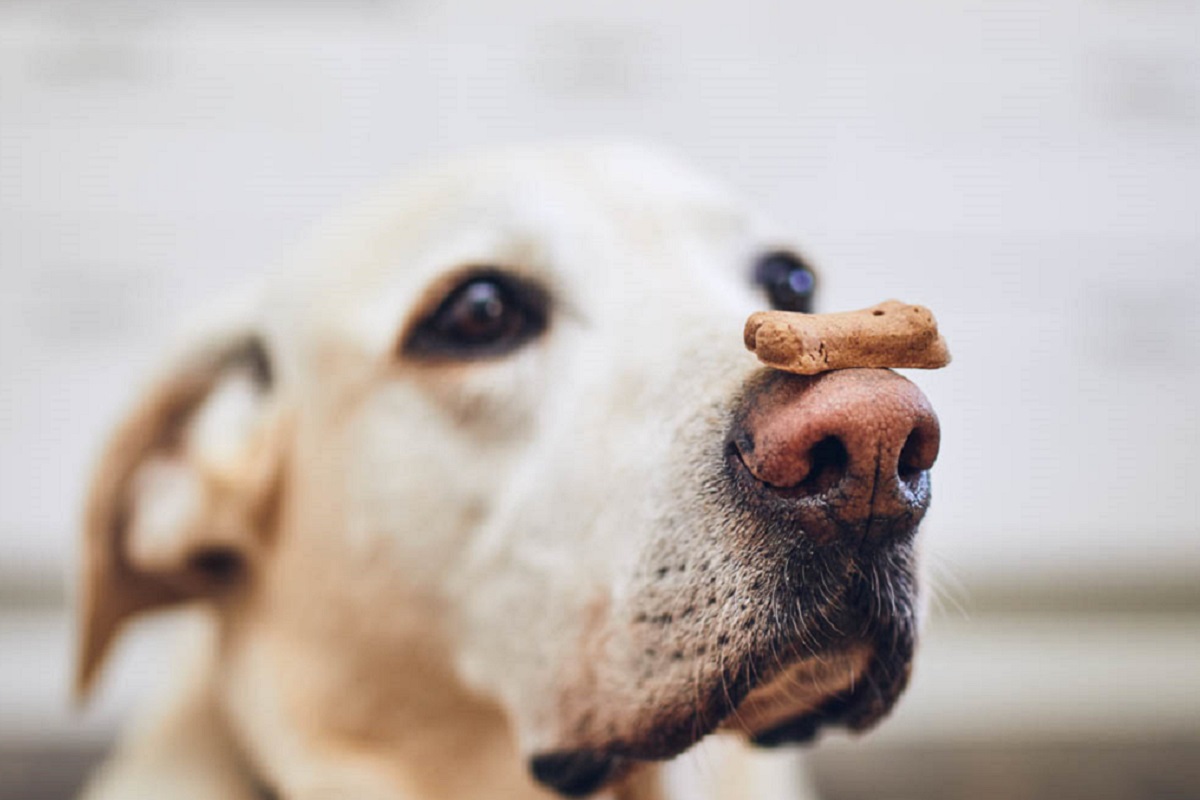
x,y
776,671
738,624
799,692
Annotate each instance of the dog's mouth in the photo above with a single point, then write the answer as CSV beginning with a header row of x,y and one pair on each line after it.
x,y
844,667
851,689
793,706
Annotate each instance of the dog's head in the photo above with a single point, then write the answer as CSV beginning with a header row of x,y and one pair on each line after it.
x,y
492,455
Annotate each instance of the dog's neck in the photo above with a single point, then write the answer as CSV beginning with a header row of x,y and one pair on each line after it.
x,y
193,747
468,772
426,738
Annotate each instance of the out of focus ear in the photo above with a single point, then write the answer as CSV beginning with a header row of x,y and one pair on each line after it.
x,y
182,503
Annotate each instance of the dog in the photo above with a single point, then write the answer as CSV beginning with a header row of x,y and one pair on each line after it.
x,y
484,498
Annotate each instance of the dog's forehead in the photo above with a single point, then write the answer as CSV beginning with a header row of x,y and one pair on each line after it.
x,y
583,219
521,199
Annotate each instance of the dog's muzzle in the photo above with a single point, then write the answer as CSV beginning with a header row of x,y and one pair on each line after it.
x,y
842,459
824,481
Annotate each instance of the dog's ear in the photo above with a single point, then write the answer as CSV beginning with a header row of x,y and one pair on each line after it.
x,y
183,500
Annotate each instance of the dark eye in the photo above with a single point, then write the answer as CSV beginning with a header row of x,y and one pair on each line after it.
x,y
487,314
789,282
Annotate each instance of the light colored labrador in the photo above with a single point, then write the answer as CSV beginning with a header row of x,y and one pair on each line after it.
x,y
487,500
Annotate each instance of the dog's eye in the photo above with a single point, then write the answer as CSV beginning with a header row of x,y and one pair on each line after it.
x,y
487,314
789,282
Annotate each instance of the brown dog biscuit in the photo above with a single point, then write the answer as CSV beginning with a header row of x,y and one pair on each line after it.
x,y
891,334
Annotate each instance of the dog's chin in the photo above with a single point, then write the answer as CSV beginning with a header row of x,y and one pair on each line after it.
x,y
792,706
838,664
852,685
852,688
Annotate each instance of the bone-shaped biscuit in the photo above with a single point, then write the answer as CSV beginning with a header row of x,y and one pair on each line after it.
x,y
891,334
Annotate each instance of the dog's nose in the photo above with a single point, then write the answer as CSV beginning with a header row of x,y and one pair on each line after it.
x,y
854,445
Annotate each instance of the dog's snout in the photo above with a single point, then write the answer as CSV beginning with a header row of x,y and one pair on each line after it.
x,y
855,445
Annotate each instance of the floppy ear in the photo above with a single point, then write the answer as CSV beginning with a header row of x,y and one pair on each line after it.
x,y
182,501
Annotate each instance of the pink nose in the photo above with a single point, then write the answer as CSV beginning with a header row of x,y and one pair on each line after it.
x,y
855,445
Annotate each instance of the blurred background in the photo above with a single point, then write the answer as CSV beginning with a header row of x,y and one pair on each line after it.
x,y
1030,170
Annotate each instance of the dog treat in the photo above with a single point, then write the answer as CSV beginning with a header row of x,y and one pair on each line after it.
x,y
891,334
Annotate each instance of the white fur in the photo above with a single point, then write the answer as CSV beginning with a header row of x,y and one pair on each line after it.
x,y
449,539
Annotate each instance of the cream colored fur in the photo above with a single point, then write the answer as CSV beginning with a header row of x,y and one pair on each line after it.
x,y
436,560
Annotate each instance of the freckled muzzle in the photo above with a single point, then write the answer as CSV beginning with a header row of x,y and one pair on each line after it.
x,y
812,623
836,469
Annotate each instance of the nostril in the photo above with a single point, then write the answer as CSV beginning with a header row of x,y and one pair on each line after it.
x,y
829,460
918,454
908,468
